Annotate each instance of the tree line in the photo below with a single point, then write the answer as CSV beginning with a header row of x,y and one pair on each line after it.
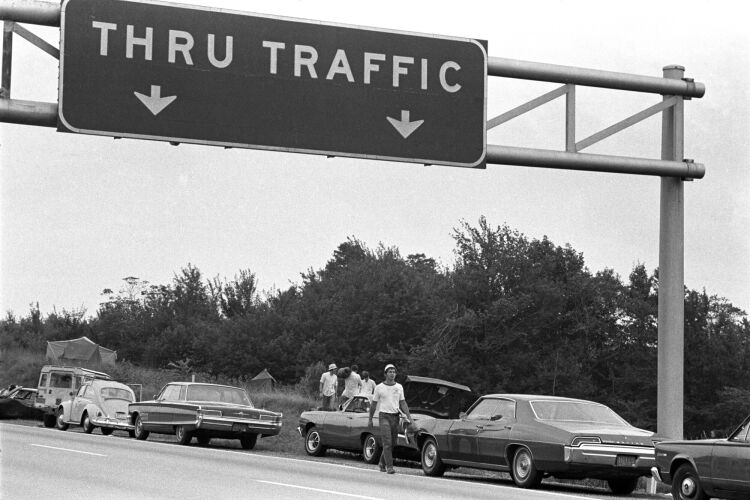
x,y
510,314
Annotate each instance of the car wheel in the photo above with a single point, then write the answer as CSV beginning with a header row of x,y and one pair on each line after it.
x,y
139,432
524,471
107,431
60,420
49,419
183,436
432,464
88,427
622,485
686,484
313,443
248,442
371,449
203,440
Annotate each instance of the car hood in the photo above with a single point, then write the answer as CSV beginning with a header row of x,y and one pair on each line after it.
x,y
112,406
436,398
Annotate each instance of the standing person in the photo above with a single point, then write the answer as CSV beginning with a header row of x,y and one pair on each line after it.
x,y
389,400
352,385
329,383
368,385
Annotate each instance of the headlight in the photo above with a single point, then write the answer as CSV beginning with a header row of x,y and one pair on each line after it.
x,y
586,440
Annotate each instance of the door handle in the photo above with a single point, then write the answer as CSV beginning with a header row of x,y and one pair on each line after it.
x,y
480,427
508,427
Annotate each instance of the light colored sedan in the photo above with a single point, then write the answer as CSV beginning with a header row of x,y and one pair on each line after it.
x,y
98,403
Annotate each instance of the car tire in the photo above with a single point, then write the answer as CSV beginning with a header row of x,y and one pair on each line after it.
x,y
623,485
88,427
203,440
60,420
107,431
432,464
686,484
183,435
524,471
248,442
371,449
313,443
139,432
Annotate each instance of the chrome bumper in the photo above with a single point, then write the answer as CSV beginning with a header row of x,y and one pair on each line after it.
x,y
112,423
625,457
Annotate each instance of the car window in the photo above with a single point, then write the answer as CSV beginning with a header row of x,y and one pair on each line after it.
x,y
491,409
62,380
359,405
82,391
43,380
171,393
742,434
223,394
575,411
116,393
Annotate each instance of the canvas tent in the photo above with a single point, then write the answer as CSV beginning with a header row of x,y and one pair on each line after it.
x,y
262,381
80,352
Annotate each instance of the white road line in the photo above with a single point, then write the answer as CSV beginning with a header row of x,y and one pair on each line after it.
x,y
330,492
68,449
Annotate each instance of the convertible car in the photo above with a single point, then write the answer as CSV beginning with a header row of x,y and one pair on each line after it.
x,y
203,411
19,403
97,403
347,428
706,467
533,437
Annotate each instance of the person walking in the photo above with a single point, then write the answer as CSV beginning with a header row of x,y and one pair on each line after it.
x,y
329,383
352,385
389,400
368,385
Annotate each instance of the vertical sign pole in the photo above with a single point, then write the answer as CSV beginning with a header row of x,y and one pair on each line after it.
x,y
7,58
671,310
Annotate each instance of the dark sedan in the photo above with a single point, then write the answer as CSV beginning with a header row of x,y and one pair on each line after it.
x,y
706,468
203,411
19,403
347,428
533,437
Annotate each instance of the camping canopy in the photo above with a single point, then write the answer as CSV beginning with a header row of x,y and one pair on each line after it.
x,y
262,381
80,352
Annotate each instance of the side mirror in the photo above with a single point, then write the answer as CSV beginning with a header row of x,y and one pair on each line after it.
x,y
462,415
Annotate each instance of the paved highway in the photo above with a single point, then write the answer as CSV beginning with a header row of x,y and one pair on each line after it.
x,y
46,463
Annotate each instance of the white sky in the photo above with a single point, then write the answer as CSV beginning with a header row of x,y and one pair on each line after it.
x,y
79,213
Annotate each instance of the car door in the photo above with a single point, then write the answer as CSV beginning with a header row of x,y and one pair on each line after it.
x,y
493,436
730,461
462,437
80,400
336,432
160,413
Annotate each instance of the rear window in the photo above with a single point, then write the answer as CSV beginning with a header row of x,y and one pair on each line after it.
x,y
116,393
61,380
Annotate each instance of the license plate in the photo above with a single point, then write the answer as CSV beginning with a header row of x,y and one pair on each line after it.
x,y
625,460
239,427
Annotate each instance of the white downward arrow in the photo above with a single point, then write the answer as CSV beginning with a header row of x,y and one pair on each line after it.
x,y
155,102
404,126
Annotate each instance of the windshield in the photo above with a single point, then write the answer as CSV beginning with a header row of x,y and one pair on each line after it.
x,y
116,393
218,394
575,411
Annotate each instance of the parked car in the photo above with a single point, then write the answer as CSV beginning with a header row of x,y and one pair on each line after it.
x,y
58,383
204,411
347,428
19,403
97,403
705,468
533,437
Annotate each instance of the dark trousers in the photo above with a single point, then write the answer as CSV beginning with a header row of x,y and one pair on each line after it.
x,y
389,435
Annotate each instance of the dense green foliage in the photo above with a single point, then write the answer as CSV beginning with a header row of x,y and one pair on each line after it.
x,y
512,314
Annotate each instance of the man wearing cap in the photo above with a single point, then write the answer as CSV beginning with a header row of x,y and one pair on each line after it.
x,y
389,400
329,383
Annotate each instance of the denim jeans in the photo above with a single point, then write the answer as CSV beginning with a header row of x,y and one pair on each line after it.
x,y
389,435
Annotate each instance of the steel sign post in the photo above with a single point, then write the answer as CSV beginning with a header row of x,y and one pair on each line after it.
x,y
170,72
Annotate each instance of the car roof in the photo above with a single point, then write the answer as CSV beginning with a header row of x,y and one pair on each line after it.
x,y
108,383
536,397
202,383
436,381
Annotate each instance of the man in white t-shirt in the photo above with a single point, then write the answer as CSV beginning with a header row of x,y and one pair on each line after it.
x,y
352,385
388,399
329,383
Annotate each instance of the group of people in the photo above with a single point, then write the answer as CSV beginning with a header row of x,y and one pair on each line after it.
x,y
387,400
